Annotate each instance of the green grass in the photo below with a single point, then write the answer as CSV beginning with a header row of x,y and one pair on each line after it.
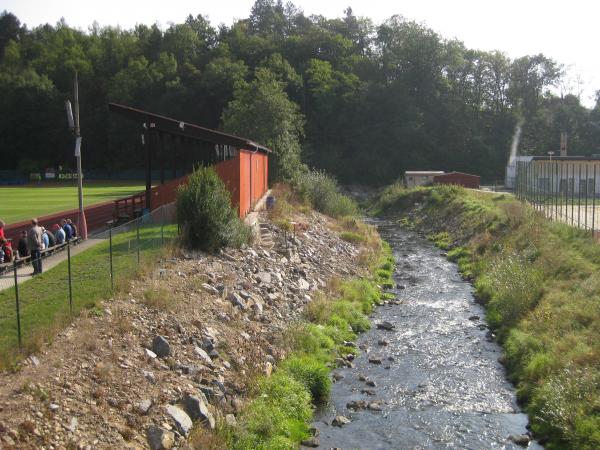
x,y
540,282
24,202
44,300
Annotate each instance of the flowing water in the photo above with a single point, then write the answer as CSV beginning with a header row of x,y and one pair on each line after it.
x,y
440,380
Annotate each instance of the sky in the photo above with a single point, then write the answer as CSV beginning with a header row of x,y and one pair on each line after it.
x,y
567,31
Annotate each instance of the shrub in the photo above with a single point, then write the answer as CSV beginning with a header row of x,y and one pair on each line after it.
x,y
205,214
313,374
321,190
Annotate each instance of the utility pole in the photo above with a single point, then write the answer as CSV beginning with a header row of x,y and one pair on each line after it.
x,y
74,125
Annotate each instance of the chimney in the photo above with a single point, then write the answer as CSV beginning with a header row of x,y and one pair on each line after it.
x,y
563,144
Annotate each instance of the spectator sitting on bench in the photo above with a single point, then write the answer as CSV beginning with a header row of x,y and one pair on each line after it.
x,y
51,239
2,225
73,229
22,248
7,249
67,228
59,234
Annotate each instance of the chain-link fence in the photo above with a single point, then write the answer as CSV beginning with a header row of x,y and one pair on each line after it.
x,y
565,190
75,276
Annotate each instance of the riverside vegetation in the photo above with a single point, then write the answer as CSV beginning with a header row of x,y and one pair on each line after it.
x,y
540,283
283,403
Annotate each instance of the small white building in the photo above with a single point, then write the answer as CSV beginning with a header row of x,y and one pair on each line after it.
x,y
420,177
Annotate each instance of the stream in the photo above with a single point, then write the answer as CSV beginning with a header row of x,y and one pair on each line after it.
x,y
439,382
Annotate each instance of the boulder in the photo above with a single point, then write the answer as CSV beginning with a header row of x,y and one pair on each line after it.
x,y
159,439
160,346
236,300
196,408
519,439
340,421
386,326
181,419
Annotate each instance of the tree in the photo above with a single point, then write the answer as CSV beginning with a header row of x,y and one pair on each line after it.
x,y
262,111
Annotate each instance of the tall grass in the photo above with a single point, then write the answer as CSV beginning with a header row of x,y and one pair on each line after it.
x,y
540,282
322,192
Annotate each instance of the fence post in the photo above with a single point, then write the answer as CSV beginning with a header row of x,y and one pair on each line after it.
x,y
70,281
579,198
162,226
137,230
110,252
17,302
594,203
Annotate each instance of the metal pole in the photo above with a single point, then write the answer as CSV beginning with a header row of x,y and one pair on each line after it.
x,y
70,281
556,190
137,226
162,226
17,302
586,195
594,203
110,252
82,222
573,194
579,198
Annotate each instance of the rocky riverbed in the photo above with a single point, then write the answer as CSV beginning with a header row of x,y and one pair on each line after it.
x,y
428,376
175,349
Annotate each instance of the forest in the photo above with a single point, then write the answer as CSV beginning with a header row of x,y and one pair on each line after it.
x,y
363,101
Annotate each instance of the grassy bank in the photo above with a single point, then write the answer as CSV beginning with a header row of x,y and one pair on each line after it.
x,y
281,405
44,300
540,282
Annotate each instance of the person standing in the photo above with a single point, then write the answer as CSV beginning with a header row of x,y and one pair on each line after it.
x,y
2,225
35,244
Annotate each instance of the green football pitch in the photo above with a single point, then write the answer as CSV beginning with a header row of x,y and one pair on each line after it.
x,y
24,202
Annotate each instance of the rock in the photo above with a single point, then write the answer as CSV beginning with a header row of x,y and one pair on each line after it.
x,y
367,391
375,406
386,326
150,353
210,289
303,284
181,419
149,376
230,420
362,377
197,410
144,406
474,318
340,421
73,424
159,439
311,442
160,346
371,383
53,407
268,369
264,277
337,376
383,342
375,360
203,355
34,361
519,439
236,300
356,404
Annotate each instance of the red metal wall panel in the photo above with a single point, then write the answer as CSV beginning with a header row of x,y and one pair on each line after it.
x,y
457,178
229,171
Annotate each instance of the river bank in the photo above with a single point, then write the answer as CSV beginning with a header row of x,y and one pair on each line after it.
x,y
432,381
538,282
175,355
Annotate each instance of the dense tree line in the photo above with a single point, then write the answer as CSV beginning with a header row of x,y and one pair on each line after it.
x,y
365,101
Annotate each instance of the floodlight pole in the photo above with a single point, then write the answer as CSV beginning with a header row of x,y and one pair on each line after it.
x,y
82,225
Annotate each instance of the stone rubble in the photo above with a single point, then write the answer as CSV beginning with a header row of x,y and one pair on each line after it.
x,y
133,375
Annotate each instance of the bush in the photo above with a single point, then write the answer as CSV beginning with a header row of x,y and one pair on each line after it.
x,y
313,374
321,190
205,215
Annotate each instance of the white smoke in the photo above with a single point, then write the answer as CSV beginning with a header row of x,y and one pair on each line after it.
x,y
515,142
